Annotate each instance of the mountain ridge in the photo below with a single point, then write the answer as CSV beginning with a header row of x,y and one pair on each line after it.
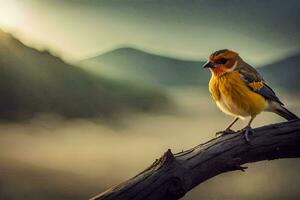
x,y
33,81
283,73
107,63
137,49
134,64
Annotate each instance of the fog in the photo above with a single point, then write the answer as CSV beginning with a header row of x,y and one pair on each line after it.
x,y
49,157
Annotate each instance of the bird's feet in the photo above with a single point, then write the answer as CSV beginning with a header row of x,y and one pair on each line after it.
x,y
247,131
225,132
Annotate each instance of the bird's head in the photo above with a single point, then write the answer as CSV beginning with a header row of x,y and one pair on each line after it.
x,y
222,61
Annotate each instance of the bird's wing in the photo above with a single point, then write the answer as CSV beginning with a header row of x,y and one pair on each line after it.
x,y
256,83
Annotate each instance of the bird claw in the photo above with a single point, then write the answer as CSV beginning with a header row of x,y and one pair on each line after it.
x,y
225,132
247,131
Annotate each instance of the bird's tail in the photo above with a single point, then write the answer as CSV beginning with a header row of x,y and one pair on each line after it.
x,y
285,113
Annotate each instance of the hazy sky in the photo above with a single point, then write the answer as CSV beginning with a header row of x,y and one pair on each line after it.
x,y
260,30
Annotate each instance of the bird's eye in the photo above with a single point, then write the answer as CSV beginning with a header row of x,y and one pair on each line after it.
x,y
223,60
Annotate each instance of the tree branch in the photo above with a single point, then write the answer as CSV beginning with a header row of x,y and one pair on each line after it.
x,y
173,175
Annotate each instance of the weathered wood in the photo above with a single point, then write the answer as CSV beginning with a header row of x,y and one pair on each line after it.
x,y
171,176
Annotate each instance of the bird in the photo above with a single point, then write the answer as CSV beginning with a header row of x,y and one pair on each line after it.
x,y
240,91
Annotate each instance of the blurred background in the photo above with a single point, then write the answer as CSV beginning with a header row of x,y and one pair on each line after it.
x,y
92,91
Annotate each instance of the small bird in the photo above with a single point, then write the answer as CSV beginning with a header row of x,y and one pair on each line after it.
x,y
240,91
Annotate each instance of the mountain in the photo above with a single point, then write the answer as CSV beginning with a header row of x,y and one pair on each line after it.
x,y
138,65
284,73
33,81
134,64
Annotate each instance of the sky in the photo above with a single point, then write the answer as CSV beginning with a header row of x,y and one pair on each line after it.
x,y
261,31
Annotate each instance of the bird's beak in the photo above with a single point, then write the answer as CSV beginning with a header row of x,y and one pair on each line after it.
x,y
208,65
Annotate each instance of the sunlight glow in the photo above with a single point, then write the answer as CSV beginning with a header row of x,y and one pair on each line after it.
x,y
9,14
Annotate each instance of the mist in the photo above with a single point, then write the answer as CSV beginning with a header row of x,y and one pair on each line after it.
x,y
49,157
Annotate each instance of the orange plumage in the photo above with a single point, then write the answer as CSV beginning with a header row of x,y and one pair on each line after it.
x,y
234,98
240,91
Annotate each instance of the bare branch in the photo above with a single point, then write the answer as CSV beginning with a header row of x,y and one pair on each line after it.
x,y
172,176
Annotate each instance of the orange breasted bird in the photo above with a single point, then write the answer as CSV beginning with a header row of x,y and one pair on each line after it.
x,y
240,91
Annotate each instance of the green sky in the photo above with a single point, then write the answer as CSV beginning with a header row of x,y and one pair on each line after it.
x,y
261,31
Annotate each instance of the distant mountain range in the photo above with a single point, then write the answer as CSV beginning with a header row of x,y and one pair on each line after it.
x,y
137,65
33,81
284,73
134,64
